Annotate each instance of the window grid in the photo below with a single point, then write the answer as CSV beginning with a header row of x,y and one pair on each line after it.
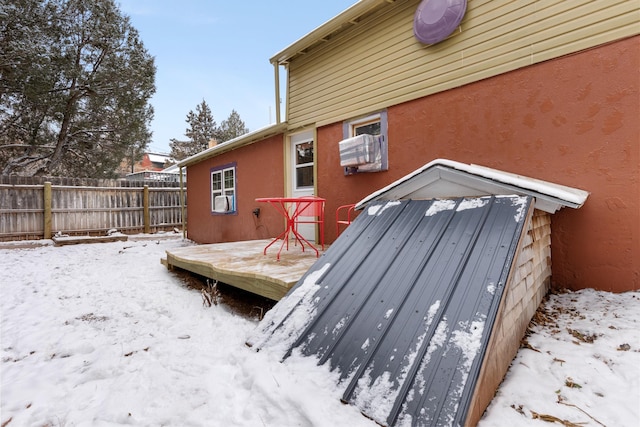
x,y
371,127
304,164
223,183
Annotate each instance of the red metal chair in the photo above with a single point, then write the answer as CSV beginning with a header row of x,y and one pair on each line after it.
x,y
312,212
349,216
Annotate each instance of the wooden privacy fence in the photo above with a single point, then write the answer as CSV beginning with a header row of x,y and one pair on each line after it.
x,y
35,208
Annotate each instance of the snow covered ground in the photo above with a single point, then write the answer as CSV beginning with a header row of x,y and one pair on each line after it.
x,y
103,335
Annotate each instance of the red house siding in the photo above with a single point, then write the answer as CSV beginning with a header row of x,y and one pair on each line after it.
x,y
259,173
147,164
573,121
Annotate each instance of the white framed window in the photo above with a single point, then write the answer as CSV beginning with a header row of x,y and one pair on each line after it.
x,y
370,125
303,164
223,189
375,125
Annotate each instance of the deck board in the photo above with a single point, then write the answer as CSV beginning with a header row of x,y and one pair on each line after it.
x,y
243,265
77,240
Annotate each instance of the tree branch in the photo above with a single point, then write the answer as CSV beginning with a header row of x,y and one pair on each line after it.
x,y
26,146
21,162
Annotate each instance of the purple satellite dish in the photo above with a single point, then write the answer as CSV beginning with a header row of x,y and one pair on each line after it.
x,y
435,20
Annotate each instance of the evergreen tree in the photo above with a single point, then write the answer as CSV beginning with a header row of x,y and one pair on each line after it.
x,y
231,128
75,85
180,149
202,128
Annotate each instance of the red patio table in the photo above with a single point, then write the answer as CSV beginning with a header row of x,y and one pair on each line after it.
x,y
291,208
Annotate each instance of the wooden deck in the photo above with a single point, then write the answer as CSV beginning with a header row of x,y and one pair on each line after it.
x,y
243,265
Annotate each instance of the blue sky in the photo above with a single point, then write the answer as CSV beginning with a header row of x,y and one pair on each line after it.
x,y
219,51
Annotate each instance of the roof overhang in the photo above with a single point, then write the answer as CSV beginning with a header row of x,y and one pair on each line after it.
x,y
443,178
324,32
241,141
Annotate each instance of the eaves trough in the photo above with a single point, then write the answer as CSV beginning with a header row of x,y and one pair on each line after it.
x,y
241,141
329,29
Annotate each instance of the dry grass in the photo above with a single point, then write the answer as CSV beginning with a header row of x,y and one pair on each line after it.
x,y
241,302
547,317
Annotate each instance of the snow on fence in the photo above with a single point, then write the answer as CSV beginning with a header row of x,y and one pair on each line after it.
x,y
35,208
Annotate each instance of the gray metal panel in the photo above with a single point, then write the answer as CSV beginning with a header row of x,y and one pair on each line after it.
x,y
405,304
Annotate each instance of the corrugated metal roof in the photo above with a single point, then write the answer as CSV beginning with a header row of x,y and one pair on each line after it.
x,y
402,305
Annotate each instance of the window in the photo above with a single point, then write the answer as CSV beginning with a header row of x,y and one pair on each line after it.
x,y
371,127
304,164
376,125
223,189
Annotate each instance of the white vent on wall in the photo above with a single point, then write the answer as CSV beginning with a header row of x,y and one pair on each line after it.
x,y
222,204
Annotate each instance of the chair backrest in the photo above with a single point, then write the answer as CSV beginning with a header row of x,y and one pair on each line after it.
x,y
315,208
339,216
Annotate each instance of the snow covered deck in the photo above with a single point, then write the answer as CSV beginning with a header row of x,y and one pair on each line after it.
x,y
243,265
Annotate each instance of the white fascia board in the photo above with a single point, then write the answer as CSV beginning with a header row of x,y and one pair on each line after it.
x,y
477,180
348,17
242,140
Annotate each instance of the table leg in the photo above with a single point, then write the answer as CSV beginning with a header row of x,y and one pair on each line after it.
x,y
290,228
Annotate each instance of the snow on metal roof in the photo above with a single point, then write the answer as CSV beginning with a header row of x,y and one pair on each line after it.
x,y
447,178
158,158
402,305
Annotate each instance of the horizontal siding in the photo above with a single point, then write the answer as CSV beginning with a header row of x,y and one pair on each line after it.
x,y
327,77
378,63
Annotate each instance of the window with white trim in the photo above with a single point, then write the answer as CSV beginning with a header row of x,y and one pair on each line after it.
x,y
376,126
370,125
303,164
223,189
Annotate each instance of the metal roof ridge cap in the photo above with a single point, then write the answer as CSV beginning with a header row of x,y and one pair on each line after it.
x,y
559,191
573,196
232,143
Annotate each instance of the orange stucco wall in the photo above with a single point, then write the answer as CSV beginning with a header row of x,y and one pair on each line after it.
x,y
259,173
573,121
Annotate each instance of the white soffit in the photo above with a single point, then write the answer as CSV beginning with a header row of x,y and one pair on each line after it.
x,y
443,178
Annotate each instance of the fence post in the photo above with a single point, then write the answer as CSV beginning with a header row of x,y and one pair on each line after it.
x,y
182,210
47,209
147,217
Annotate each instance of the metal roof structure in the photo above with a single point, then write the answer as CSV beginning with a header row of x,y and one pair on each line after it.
x,y
402,305
448,178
